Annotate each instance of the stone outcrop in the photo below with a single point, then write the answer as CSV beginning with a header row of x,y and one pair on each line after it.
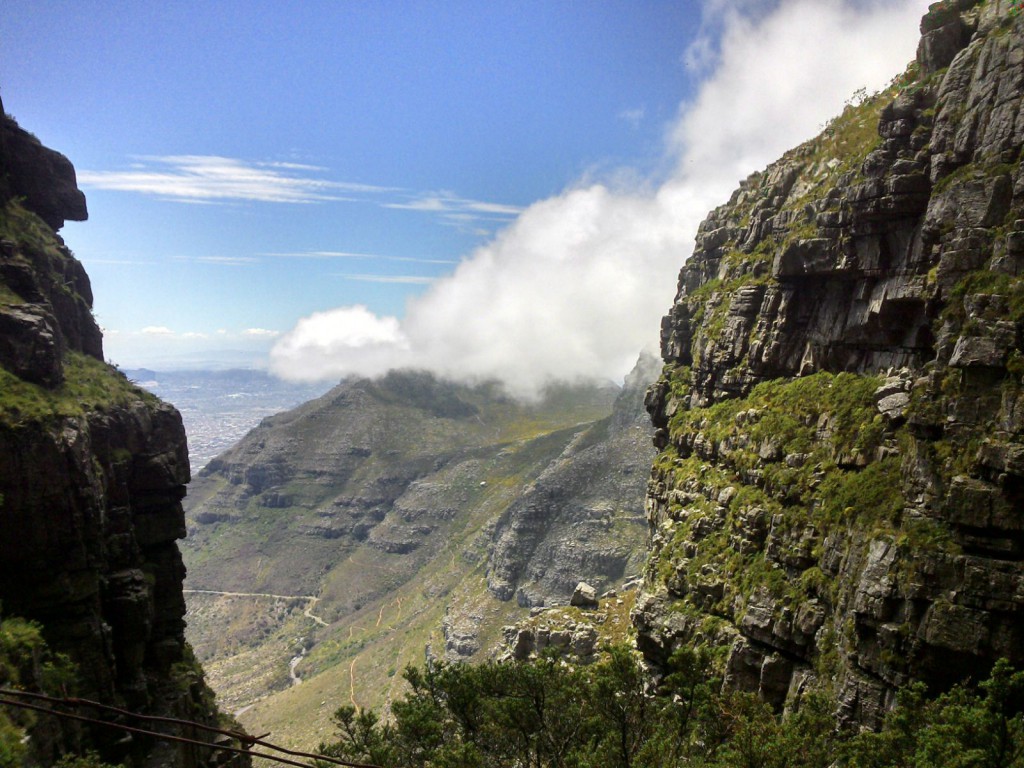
x,y
837,500
577,633
92,473
43,177
577,640
584,596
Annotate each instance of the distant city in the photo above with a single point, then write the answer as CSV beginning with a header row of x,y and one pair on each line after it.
x,y
220,407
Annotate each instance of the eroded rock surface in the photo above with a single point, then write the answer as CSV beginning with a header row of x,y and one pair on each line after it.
x,y
838,495
92,473
573,521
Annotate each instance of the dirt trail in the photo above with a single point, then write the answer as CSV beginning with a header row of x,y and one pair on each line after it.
x,y
308,612
293,664
352,684
311,600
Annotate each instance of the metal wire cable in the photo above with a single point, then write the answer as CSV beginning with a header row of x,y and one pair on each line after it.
x,y
245,739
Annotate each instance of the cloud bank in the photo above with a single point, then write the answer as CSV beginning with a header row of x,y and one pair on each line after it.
x,y
576,285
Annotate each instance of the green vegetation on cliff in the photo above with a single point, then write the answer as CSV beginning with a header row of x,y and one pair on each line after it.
x,y
545,713
50,352
836,501
89,385
27,664
762,481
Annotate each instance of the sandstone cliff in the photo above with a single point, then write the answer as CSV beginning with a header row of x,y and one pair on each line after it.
x,y
837,500
92,473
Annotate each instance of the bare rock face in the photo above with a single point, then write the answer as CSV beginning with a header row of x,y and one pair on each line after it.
x,y
45,178
574,521
837,498
92,473
30,346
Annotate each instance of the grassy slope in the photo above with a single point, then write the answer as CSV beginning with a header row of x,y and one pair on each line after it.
x,y
89,383
384,609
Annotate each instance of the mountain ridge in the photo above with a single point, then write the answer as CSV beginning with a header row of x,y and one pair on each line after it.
x,y
408,506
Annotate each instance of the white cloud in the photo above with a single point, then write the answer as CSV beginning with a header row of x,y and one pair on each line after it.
x,y
260,332
577,284
340,342
157,330
777,81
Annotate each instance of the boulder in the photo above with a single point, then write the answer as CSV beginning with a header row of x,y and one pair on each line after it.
x,y
584,596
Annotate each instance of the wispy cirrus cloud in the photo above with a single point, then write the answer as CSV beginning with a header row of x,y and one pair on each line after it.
x,y
117,262
229,261
218,180
476,217
633,117
163,347
169,334
394,279
212,178
451,204
163,332
357,255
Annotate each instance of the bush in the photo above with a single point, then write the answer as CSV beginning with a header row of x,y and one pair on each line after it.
x,y
548,713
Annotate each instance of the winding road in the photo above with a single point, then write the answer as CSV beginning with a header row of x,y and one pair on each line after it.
x,y
311,600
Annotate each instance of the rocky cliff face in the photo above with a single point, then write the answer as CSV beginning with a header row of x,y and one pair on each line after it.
x,y
837,500
576,520
92,473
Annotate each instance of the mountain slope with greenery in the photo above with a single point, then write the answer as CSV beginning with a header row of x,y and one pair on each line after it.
x,y
837,497
836,571
400,517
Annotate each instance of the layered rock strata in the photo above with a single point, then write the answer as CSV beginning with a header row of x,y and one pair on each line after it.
x,y
837,501
576,519
415,503
92,473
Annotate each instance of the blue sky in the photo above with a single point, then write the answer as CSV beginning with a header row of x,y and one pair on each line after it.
x,y
475,188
